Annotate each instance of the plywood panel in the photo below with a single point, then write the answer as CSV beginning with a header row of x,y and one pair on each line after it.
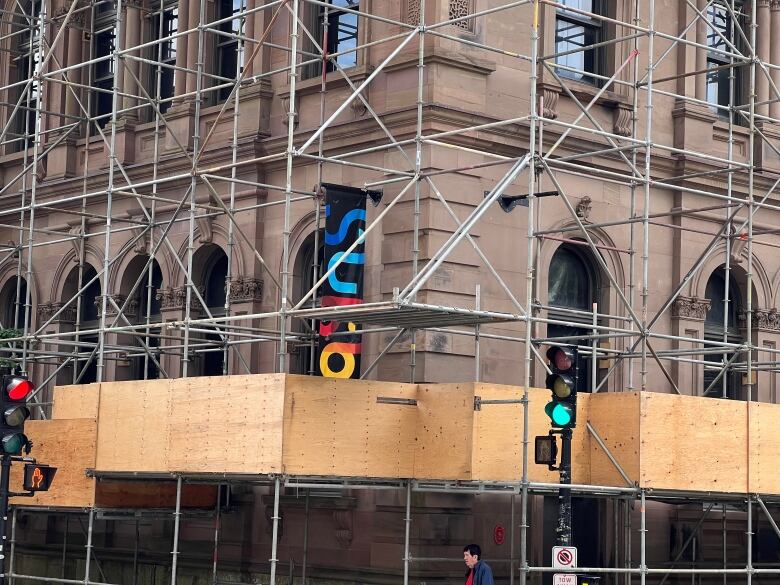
x,y
229,424
76,401
158,494
615,417
68,445
133,426
336,427
674,428
764,448
445,426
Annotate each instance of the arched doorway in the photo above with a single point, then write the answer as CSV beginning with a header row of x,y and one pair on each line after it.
x,y
87,318
210,275
140,283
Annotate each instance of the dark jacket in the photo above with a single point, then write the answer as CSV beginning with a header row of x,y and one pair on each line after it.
x,y
482,574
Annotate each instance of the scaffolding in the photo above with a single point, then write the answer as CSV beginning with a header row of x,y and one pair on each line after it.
x,y
59,105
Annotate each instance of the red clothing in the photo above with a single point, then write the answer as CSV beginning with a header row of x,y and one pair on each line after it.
x,y
470,578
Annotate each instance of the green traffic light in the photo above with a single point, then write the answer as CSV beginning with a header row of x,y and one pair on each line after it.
x,y
13,444
560,414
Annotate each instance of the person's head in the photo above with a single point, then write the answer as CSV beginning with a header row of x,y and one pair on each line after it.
x,y
471,555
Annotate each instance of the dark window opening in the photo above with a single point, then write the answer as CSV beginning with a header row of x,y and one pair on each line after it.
x,y
165,23
721,325
103,74
227,43
13,304
720,29
26,60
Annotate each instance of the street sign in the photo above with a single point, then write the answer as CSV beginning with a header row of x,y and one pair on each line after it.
x,y
564,557
564,578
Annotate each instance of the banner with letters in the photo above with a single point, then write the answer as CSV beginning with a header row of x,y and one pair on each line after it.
x,y
345,221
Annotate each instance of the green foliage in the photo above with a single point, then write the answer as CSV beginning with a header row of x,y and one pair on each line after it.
x,y
9,334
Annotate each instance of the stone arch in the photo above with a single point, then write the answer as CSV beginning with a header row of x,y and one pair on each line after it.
x,y
118,269
92,256
610,256
761,287
215,234
299,238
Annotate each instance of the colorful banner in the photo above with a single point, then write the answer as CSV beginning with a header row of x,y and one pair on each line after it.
x,y
345,221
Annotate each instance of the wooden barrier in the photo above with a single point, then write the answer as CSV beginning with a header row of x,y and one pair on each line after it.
x,y
301,425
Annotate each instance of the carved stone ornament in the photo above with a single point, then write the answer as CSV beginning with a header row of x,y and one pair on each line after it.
x,y
584,207
764,319
175,297
621,120
76,18
130,311
358,107
205,228
459,9
47,310
412,12
245,290
692,308
142,238
286,110
76,235
550,103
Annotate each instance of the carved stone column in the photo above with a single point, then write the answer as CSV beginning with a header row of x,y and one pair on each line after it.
x,y
180,78
763,44
192,47
701,54
132,39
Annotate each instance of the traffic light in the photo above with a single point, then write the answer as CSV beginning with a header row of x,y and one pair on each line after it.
x,y
562,410
13,413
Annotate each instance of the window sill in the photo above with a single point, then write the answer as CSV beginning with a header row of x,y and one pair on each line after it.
x,y
334,80
585,92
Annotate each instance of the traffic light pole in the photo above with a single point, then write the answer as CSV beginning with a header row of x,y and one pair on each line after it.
x,y
5,481
564,494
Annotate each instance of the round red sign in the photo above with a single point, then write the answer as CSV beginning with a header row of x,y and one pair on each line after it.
x,y
499,534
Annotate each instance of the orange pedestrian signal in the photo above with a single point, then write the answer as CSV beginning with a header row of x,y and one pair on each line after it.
x,y
38,478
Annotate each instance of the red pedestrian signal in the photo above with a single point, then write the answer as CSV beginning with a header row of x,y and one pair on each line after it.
x,y
38,478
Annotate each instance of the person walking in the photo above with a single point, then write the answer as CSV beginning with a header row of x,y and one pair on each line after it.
x,y
478,572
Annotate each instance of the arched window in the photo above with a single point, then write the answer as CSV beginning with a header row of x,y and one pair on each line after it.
x,y
721,325
13,303
572,289
306,271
